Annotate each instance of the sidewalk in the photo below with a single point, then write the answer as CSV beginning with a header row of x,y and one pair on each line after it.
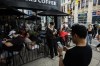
x,y
95,59
49,62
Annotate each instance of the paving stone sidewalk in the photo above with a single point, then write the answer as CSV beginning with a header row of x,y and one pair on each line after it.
x,y
49,62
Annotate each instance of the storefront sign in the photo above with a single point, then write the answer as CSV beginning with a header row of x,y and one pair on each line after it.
x,y
44,1
33,4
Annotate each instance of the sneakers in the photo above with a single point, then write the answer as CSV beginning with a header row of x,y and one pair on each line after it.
x,y
98,49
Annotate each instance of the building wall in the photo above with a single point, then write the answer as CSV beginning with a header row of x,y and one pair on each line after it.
x,y
65,7
87,7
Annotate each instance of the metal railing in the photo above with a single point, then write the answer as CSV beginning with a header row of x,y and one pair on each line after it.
x,y
18,58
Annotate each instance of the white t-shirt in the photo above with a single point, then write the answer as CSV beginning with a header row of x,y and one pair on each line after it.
x,y
11,33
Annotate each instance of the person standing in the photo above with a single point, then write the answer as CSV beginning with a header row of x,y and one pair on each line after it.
x,y
89,35
51,39
94,30
64,26
81,54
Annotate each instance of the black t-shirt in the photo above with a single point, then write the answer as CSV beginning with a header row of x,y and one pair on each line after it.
x,y
90,32
78,56
49,34
17,44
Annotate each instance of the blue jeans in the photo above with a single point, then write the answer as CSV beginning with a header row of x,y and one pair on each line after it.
x,y
89,38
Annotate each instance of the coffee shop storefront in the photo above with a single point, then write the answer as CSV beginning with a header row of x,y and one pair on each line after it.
x,y
10,16
37,6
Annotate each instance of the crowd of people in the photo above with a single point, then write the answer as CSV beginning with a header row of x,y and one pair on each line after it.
x,y
82,36
15,42
80,55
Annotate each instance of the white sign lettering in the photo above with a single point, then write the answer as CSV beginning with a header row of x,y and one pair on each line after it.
x,y
44,2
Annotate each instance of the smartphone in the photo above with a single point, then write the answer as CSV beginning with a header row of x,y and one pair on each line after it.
x,y
60,45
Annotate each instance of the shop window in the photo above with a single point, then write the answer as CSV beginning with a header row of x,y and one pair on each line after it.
x,y
82,18
78,4
94,2
87,1
73,5
61,1
64,1
83,3
98,2
64,9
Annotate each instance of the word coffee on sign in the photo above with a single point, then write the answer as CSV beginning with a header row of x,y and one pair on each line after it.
x,y
44,1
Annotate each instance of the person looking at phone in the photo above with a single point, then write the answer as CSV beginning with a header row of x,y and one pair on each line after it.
x,y
51,39
81,54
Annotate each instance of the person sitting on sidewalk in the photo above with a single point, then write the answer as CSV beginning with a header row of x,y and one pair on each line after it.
x,y
81,54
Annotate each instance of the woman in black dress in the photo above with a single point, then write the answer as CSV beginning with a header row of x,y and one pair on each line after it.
x,y
51,39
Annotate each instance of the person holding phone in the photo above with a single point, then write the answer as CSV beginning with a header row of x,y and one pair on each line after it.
x,y
81,54
51,39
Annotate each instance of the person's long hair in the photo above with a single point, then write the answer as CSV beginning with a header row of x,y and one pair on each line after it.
x,y
89,27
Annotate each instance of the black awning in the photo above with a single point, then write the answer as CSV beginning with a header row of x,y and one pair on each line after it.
x,y
1,4
10,11
20,4
33,17
53,12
